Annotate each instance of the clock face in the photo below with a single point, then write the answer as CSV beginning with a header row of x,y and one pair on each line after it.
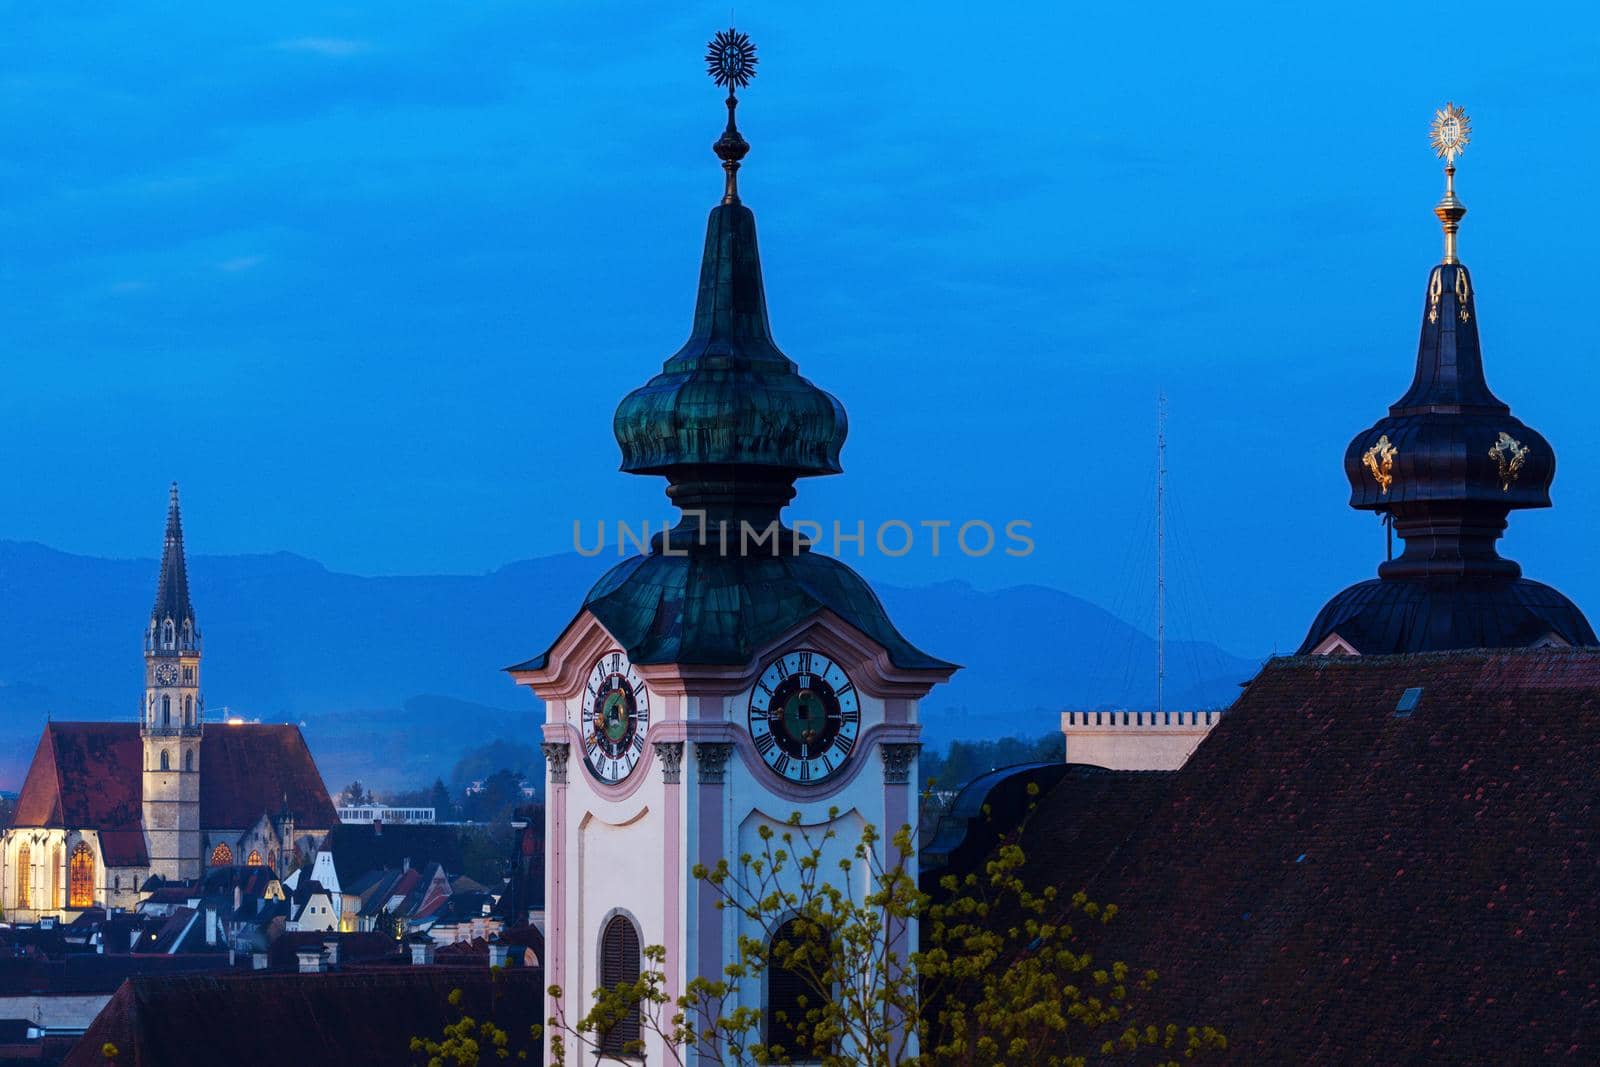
x,y
166,674
804,716
616,716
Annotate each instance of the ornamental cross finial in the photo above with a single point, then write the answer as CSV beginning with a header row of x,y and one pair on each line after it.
x,y
731,61
1452,131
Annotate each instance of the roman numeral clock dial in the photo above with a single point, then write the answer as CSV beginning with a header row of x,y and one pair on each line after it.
x,y
616,717
804,716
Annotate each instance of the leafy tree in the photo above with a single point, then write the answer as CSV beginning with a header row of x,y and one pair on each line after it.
x,y
439,799
1000,977
355,793
965,760
477,763
500,796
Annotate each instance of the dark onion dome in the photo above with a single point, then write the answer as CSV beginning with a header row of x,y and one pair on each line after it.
x,y
1446,467
729,395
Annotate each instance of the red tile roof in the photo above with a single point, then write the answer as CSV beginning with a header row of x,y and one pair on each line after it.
x,y
1327,881
88,775
250,769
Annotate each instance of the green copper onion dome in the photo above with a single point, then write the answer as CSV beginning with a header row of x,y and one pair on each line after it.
x,y
729,397
729,420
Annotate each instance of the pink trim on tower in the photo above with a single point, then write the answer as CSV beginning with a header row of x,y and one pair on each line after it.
x,y
675,873
555,893
739,737
708,850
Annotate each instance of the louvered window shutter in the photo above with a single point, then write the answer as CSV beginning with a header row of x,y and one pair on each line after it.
x,y
785,1017
619,964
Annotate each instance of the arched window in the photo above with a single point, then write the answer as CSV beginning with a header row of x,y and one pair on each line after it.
x,y
188,711
25,877
188,760
80,880
166,710
222,856
166,764
166,634
255,857
56,856
791,997
619,965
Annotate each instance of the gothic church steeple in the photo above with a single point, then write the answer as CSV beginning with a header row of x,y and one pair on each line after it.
x,y
170,725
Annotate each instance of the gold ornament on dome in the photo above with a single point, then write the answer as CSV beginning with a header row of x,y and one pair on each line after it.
x,y
1452,132
1379,459
1508,454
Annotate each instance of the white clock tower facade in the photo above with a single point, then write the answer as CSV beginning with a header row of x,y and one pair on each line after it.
x,y
725,680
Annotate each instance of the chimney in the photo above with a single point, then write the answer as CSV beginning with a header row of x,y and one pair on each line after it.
x,y
330,949
211,926
310,958
238,895
377,826
421,949
258,961
498,950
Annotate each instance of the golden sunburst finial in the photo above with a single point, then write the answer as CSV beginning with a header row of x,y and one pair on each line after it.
x,y
1452,130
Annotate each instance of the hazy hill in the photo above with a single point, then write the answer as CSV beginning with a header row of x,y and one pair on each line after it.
x,y
393,677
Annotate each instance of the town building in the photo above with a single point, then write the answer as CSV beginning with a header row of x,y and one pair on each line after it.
x,y
110,809
710,688
1384,852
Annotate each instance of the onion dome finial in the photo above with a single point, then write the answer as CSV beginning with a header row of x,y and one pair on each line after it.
x,y
729,421
1452,131
731,61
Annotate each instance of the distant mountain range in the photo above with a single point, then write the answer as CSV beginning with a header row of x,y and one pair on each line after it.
x,y
394,677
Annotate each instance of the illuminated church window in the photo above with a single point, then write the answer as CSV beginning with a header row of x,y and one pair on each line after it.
x,y
80,880
255,858
24,877
222,856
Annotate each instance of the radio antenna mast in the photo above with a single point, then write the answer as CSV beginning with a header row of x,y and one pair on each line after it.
x,y
1161,551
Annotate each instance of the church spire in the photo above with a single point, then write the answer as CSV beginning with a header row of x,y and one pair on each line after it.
x,y
1445,468
172,604
729,421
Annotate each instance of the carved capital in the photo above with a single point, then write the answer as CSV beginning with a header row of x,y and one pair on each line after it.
x,y
555,757
670,753
897,761
712,757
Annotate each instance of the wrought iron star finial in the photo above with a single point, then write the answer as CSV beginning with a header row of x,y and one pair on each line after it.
x,y
731,59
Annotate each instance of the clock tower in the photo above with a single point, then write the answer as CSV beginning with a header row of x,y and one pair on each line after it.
x,y
731,675
170,723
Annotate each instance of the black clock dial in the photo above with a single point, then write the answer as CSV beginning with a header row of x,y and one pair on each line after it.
x,y
616,717
804,716
166,674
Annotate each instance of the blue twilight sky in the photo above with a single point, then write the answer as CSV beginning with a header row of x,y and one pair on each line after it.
x,y
370,278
